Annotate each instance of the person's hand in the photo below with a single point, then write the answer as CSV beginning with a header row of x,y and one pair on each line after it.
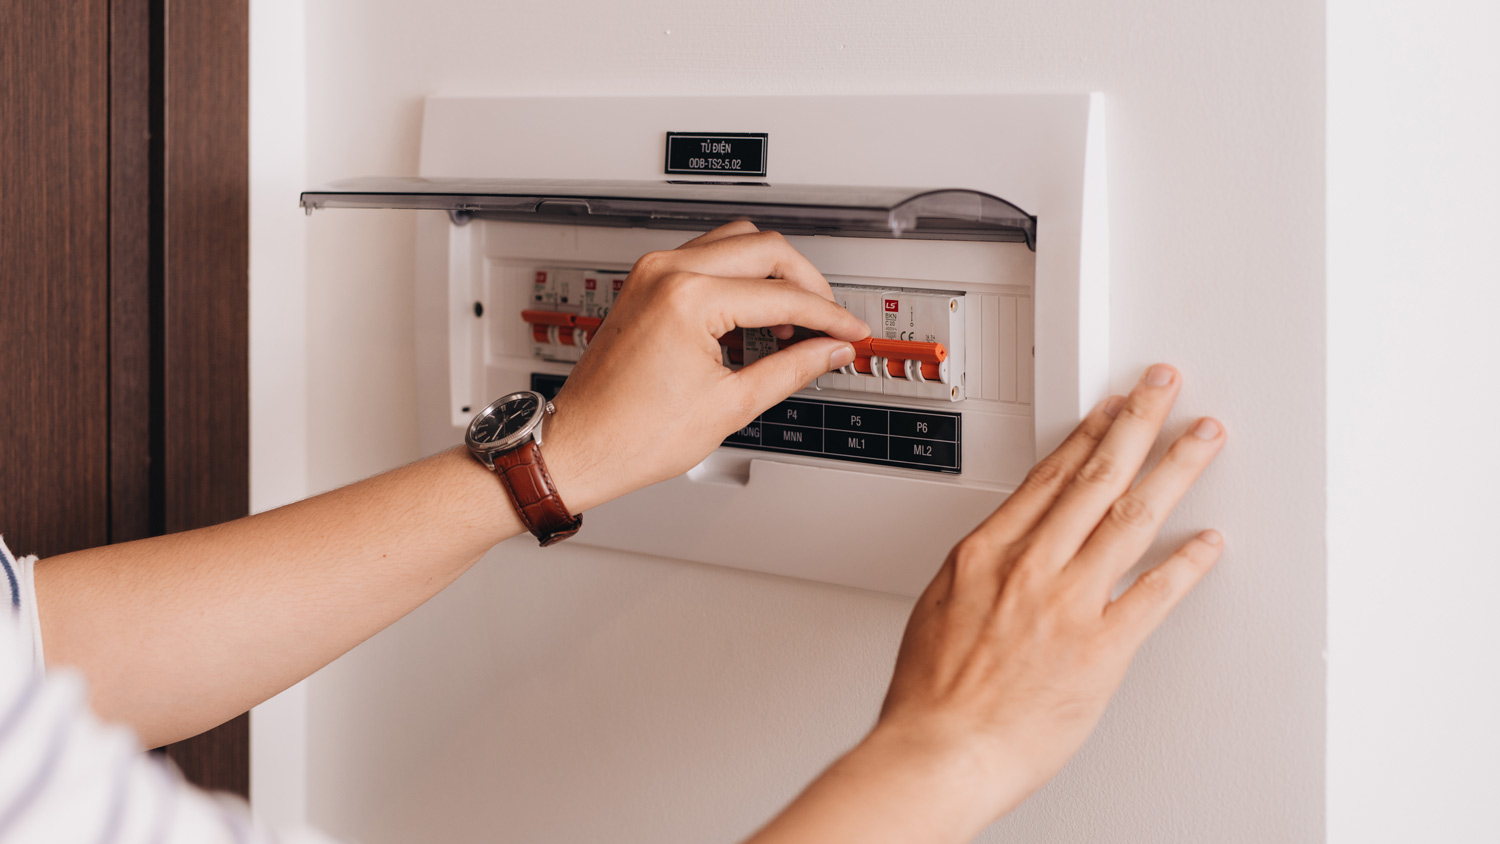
x,y
651,397
1016,647
1014,650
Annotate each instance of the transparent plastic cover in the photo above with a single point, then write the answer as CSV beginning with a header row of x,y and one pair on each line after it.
x,y
928,214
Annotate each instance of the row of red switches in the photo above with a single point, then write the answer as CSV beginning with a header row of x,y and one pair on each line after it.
x,y
565,329
542,323
895,354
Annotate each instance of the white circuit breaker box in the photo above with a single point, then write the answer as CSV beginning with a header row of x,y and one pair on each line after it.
x,y
982,282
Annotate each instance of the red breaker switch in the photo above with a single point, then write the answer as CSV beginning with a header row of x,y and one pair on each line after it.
x,y
551,330
907,360
568,307
546,326
556,328
918,348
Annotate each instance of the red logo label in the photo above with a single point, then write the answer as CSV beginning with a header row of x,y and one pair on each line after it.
x,y
590,283
619,283
541,276
892,305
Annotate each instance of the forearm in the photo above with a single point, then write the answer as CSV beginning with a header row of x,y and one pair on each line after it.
x,y
178,633
896,788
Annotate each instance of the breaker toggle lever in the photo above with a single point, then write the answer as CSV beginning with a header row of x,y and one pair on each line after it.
x,y
561,328
907,360
901,350
895,359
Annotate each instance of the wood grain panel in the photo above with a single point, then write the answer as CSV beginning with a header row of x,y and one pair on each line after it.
x,y
205,374
206,243
218,759
54,330
130,269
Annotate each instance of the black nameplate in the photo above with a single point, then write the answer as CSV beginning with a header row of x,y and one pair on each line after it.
x,y
722,153
863,433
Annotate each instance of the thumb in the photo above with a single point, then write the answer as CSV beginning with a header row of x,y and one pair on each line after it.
x,y
778,375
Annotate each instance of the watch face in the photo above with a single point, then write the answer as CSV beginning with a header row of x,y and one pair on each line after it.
x,y
505,419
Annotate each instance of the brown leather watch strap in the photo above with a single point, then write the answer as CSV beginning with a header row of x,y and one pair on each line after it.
x,y
535,496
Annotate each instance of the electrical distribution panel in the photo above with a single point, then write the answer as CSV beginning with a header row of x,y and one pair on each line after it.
x,y
988,325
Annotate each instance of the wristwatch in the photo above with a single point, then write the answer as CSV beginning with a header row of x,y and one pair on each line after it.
x,y
507,438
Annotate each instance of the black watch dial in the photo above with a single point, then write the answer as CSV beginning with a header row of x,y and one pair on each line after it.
x,y
506,419
515,413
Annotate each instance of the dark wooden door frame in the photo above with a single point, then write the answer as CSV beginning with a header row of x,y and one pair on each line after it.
x,y
133,277
124,239
203,402
53,244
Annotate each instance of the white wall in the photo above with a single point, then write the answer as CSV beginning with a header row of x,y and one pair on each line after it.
x,y
607,697
279,419
1413,451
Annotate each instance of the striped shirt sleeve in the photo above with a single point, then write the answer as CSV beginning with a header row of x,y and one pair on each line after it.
x,y
21,590
67,777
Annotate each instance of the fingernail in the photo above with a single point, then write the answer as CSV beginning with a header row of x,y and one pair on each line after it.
x,y
1158,376
1212,537
1113,405
1206,429
842,356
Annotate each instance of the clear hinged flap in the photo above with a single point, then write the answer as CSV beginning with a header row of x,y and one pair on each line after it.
x,y
929,214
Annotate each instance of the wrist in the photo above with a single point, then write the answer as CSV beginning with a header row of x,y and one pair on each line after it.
x,y
507,437
894,787
974,778
480,496
577,474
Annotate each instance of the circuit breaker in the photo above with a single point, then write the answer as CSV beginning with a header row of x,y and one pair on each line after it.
x,y
982,283
568,306
916,347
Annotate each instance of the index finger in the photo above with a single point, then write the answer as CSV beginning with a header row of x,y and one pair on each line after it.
x,y
752,255
731,229
760,302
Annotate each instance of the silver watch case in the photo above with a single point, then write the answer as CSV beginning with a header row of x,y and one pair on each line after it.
x,y
530,430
